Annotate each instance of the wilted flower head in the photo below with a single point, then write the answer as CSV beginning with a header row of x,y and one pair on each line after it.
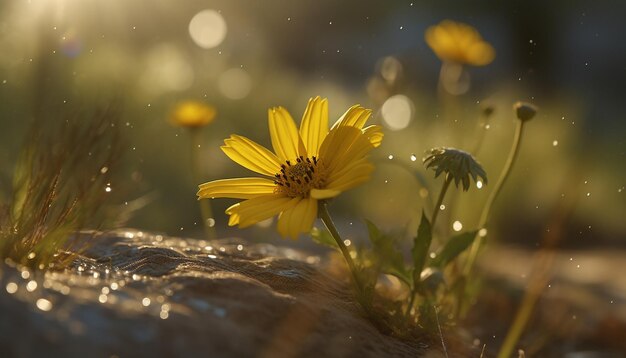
x,y
192,114
457,165
458,42
525,111
309,164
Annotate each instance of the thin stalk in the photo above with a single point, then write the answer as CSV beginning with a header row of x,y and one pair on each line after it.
x,y
442,194
436,210
330,226
205,205
484,217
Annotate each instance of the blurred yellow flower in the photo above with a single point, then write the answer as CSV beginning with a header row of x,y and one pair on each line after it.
x,y
310,164
192,114
460,43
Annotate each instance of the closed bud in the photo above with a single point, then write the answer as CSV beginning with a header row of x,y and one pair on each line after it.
x,y
525,111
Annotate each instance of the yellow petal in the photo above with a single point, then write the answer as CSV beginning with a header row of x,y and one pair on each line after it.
x,y
257,209
285,138
238,188
251,155
349,179
342,146
320,194
314,125
299,219
375,134
355,116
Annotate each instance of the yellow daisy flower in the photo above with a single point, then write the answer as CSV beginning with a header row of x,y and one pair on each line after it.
x,y
192,114
309,164
460,43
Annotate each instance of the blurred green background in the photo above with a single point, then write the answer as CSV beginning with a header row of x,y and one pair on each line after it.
x,y
146,55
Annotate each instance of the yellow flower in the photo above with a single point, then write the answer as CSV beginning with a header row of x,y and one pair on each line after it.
x,y
460,43
310,164
192,114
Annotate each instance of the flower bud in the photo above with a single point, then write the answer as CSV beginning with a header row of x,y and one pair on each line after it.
x,y
525,111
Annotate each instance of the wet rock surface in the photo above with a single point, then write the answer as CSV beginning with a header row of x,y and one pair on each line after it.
x,y
138,294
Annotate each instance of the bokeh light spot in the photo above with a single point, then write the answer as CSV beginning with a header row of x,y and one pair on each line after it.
x,y
207,29
397,112
235,83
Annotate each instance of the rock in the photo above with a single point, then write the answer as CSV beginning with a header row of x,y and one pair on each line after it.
x,y
138,294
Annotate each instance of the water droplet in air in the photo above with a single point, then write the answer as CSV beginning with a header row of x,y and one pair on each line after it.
x,y
442,207
457,226
390,156
103,298
347,242
413,157
210,222
479,184
239,247
555,143
482,232
145,302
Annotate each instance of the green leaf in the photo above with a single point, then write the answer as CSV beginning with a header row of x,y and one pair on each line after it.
x,y
323,237
421,244
389,258
454,248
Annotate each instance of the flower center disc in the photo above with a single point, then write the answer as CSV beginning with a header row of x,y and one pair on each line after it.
x,y
297,179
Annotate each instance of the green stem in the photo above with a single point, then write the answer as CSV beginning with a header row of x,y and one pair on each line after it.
x,y
205,205
484,217
517,328
442,194
330,226
436,210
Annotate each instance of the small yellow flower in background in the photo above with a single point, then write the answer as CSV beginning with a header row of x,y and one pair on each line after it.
x,y
192,114
309,164
460,43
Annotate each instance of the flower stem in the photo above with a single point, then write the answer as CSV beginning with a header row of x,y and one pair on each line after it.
x,y
442,194
330,226
436,210
205,206
484,217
